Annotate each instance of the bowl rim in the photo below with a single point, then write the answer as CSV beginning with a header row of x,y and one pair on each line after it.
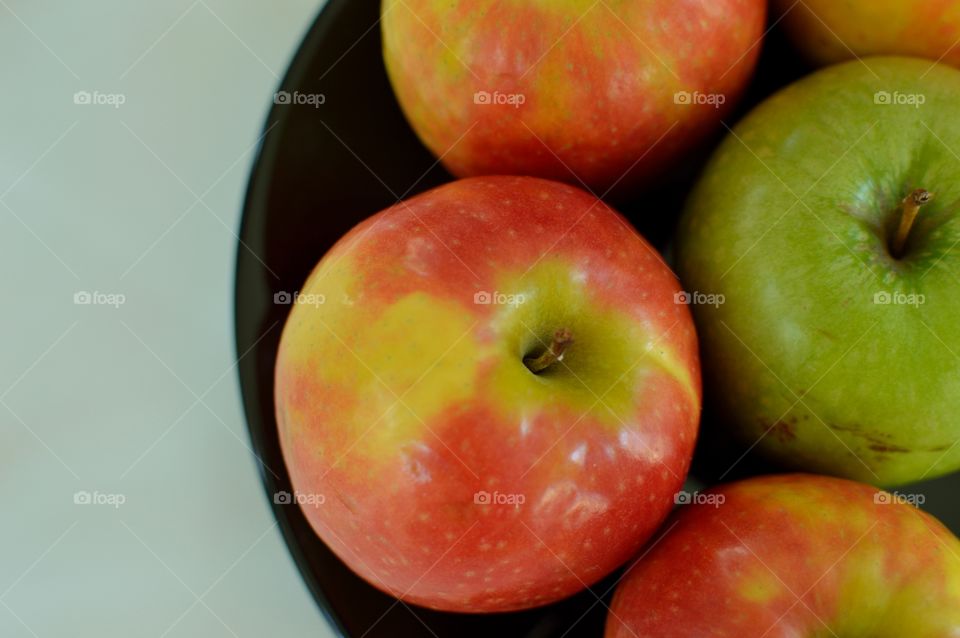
x,y
258,185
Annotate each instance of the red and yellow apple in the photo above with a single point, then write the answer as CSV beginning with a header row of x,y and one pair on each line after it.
x,y
598,93
794,555
829,31
490,393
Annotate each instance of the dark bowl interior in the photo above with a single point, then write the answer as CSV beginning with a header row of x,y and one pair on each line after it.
x,y
322,170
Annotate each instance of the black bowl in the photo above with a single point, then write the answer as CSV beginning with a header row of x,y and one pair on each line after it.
x,y
320,170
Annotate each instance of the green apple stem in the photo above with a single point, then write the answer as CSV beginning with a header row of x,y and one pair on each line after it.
x,y
911,206
562,338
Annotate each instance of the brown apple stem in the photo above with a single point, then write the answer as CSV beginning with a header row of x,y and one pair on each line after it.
x,y
562,338
911,206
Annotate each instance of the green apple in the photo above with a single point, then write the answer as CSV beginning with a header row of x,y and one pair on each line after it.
x,y
836,350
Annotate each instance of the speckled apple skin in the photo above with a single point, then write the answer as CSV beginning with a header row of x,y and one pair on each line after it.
x,y
598,82
400,398
790,556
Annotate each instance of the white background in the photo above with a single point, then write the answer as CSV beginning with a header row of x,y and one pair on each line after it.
x,y
142,400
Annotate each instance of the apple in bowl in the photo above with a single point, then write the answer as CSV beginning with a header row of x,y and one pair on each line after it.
x,y
827,31
794,555
828,222
487,395
609,95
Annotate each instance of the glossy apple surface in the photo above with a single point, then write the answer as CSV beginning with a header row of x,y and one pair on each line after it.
x,y
443,469
791,556
574,90
829,31
830,353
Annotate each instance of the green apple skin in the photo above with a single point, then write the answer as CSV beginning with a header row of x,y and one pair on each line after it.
x,y
794,556
791,223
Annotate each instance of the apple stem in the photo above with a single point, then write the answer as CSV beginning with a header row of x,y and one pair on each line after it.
x,y
911,206
562,338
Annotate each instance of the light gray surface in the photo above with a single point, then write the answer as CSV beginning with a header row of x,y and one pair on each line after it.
x,y
139,400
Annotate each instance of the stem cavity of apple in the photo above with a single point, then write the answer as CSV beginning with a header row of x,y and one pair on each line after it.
x,y
911,206
562,339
